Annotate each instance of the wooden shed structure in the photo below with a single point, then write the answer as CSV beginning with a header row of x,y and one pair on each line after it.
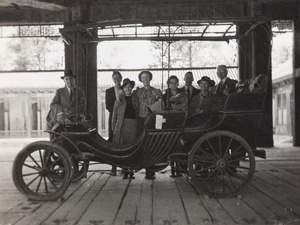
x,y
87,22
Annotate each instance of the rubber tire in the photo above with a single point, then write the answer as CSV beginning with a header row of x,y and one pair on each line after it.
x,y
26,152
213,161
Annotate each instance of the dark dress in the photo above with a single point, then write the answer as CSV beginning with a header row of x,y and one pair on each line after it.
x,y
124,121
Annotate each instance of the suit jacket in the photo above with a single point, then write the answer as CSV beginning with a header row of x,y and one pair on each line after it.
x,y
195,91
229,83
110,98
62,103
118,115
207,104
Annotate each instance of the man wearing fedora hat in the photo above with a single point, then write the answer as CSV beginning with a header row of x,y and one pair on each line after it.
x,y
205,101
68,101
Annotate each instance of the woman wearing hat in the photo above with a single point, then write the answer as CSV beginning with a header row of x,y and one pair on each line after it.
x,y
173,98
205,101
125,115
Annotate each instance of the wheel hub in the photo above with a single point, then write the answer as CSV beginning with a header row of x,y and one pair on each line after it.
x,y
43,172
221,164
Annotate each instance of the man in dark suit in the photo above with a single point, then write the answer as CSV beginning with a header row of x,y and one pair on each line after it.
x,y
110,98
226,85
190,90
68,102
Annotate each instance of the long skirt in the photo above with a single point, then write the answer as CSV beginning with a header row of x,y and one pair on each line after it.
x,y
129,131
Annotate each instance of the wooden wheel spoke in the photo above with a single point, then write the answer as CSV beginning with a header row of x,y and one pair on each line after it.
x,y
205,153
220,145
227,148
202,161
54,163
234,151
38,165
39,184
46,185
210,145
31,167
209,175
41,158
34,179
237,159
223,182
235,175
215,180
51,181
229,177
29,174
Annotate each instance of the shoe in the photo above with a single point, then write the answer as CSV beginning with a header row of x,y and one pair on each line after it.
x,y
150,175
172,172
131,176
125,176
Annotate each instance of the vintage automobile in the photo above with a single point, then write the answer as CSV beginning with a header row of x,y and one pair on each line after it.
x,y
217,150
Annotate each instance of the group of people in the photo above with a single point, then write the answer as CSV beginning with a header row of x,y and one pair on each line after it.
x,y
129,109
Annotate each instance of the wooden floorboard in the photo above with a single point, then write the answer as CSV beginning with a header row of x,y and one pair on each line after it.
x,y
272,197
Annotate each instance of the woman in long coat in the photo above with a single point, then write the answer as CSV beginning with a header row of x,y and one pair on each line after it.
x,y
125,115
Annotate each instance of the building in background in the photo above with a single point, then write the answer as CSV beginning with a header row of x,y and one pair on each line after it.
x,y
24,104
283,97
25,97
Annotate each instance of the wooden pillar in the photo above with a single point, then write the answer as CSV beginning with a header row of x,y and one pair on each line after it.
x,y
262,48
254,59
296,78
244,52
89,79
81,57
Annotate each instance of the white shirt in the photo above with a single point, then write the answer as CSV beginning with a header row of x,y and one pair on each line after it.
x,y
223,81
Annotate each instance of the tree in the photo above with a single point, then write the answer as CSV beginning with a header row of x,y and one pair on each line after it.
x,y
33,54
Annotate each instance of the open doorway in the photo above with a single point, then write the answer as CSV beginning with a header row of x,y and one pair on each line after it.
x,y
130,57
282,86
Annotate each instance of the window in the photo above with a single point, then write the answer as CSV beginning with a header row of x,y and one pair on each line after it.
x,y
34,118
103,115
2,116
282,109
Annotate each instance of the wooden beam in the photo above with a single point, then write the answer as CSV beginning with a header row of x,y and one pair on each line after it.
x,y
296,86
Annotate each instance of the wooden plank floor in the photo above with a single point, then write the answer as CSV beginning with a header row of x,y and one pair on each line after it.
x,y
273,197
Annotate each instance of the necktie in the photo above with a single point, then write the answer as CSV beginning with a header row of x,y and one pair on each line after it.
x,y
188,92
71,94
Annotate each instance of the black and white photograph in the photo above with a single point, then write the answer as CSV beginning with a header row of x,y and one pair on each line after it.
x,y
149,112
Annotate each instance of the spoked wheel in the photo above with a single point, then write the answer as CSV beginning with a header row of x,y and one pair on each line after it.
x,y
35,178
80,166
221,163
